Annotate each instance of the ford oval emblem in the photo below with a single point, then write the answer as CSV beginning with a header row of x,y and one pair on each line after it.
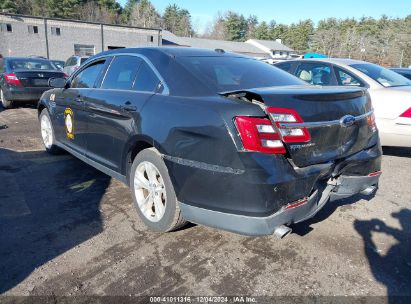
x,y
347,120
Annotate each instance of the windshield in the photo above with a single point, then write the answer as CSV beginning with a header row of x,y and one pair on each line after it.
x,y
82,60
382,75
236,73
31,64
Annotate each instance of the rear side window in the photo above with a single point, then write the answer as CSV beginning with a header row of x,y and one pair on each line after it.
x,y
146,80
345,78
88,77
224,73
314,73
122,73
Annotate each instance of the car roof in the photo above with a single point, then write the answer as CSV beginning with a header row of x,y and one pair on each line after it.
x,y
173,52
30,58
340,61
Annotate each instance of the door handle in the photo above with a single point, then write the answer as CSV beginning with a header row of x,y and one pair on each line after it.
x,y
78,99
128,107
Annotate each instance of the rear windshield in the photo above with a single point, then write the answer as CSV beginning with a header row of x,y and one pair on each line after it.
x,y
382,75
236,73
30,64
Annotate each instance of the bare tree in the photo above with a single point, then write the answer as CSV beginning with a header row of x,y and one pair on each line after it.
x,y
215,30
91,11
144,14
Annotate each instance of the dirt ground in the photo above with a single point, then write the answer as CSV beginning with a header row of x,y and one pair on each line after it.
x,y
67,229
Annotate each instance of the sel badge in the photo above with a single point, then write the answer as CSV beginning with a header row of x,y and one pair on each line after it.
x,y
69,122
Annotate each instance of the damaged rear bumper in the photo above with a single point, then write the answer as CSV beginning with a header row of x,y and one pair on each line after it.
x,y
335,188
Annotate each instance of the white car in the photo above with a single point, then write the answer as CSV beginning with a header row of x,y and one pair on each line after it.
x,y
390,92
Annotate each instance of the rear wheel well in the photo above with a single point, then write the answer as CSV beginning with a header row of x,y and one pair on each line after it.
x,y
135,149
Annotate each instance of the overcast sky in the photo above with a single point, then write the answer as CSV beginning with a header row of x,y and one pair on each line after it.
x,y
204,11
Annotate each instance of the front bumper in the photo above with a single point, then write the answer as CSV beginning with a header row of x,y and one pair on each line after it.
x,y
341,187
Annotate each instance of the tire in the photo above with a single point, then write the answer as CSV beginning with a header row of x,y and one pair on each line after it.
x,y
47,133
7,104
153,193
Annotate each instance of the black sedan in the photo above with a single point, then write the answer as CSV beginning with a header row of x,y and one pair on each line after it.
x,y
23,80
214,138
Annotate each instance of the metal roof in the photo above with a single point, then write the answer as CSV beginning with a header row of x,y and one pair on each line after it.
x,y
230,46
272,45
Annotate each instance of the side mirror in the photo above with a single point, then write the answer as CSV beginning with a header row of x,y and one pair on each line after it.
x,y
59,83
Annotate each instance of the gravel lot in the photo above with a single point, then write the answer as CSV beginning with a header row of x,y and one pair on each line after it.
x,y
67,229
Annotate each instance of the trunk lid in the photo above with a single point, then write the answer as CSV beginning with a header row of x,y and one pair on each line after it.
x,y
37,78
338,120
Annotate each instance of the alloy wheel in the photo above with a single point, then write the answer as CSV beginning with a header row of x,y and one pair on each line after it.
x,y
150,191
46,131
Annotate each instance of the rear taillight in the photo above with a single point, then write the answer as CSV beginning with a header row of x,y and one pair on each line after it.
x,y
406,114
376,173
297,203
258,134
284,118
371,122
12,79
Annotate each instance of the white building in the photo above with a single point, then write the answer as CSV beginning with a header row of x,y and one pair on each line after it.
x,y
275,49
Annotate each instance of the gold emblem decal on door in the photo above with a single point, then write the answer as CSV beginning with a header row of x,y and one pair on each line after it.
x,y
69,122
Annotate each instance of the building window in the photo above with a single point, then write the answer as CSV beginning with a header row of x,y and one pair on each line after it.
x,y
150,38
55,31
5,27
84,50
33,29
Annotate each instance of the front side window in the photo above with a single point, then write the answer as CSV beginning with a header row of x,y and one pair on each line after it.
x,y
345,78
122,73
314,73
88,77
146,80
382,75
224,73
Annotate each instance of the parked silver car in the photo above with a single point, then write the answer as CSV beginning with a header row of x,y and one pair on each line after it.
x,y
73,63
390,92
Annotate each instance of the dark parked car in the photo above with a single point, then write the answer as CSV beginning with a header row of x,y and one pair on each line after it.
x,y
214,138
406,72
25,79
